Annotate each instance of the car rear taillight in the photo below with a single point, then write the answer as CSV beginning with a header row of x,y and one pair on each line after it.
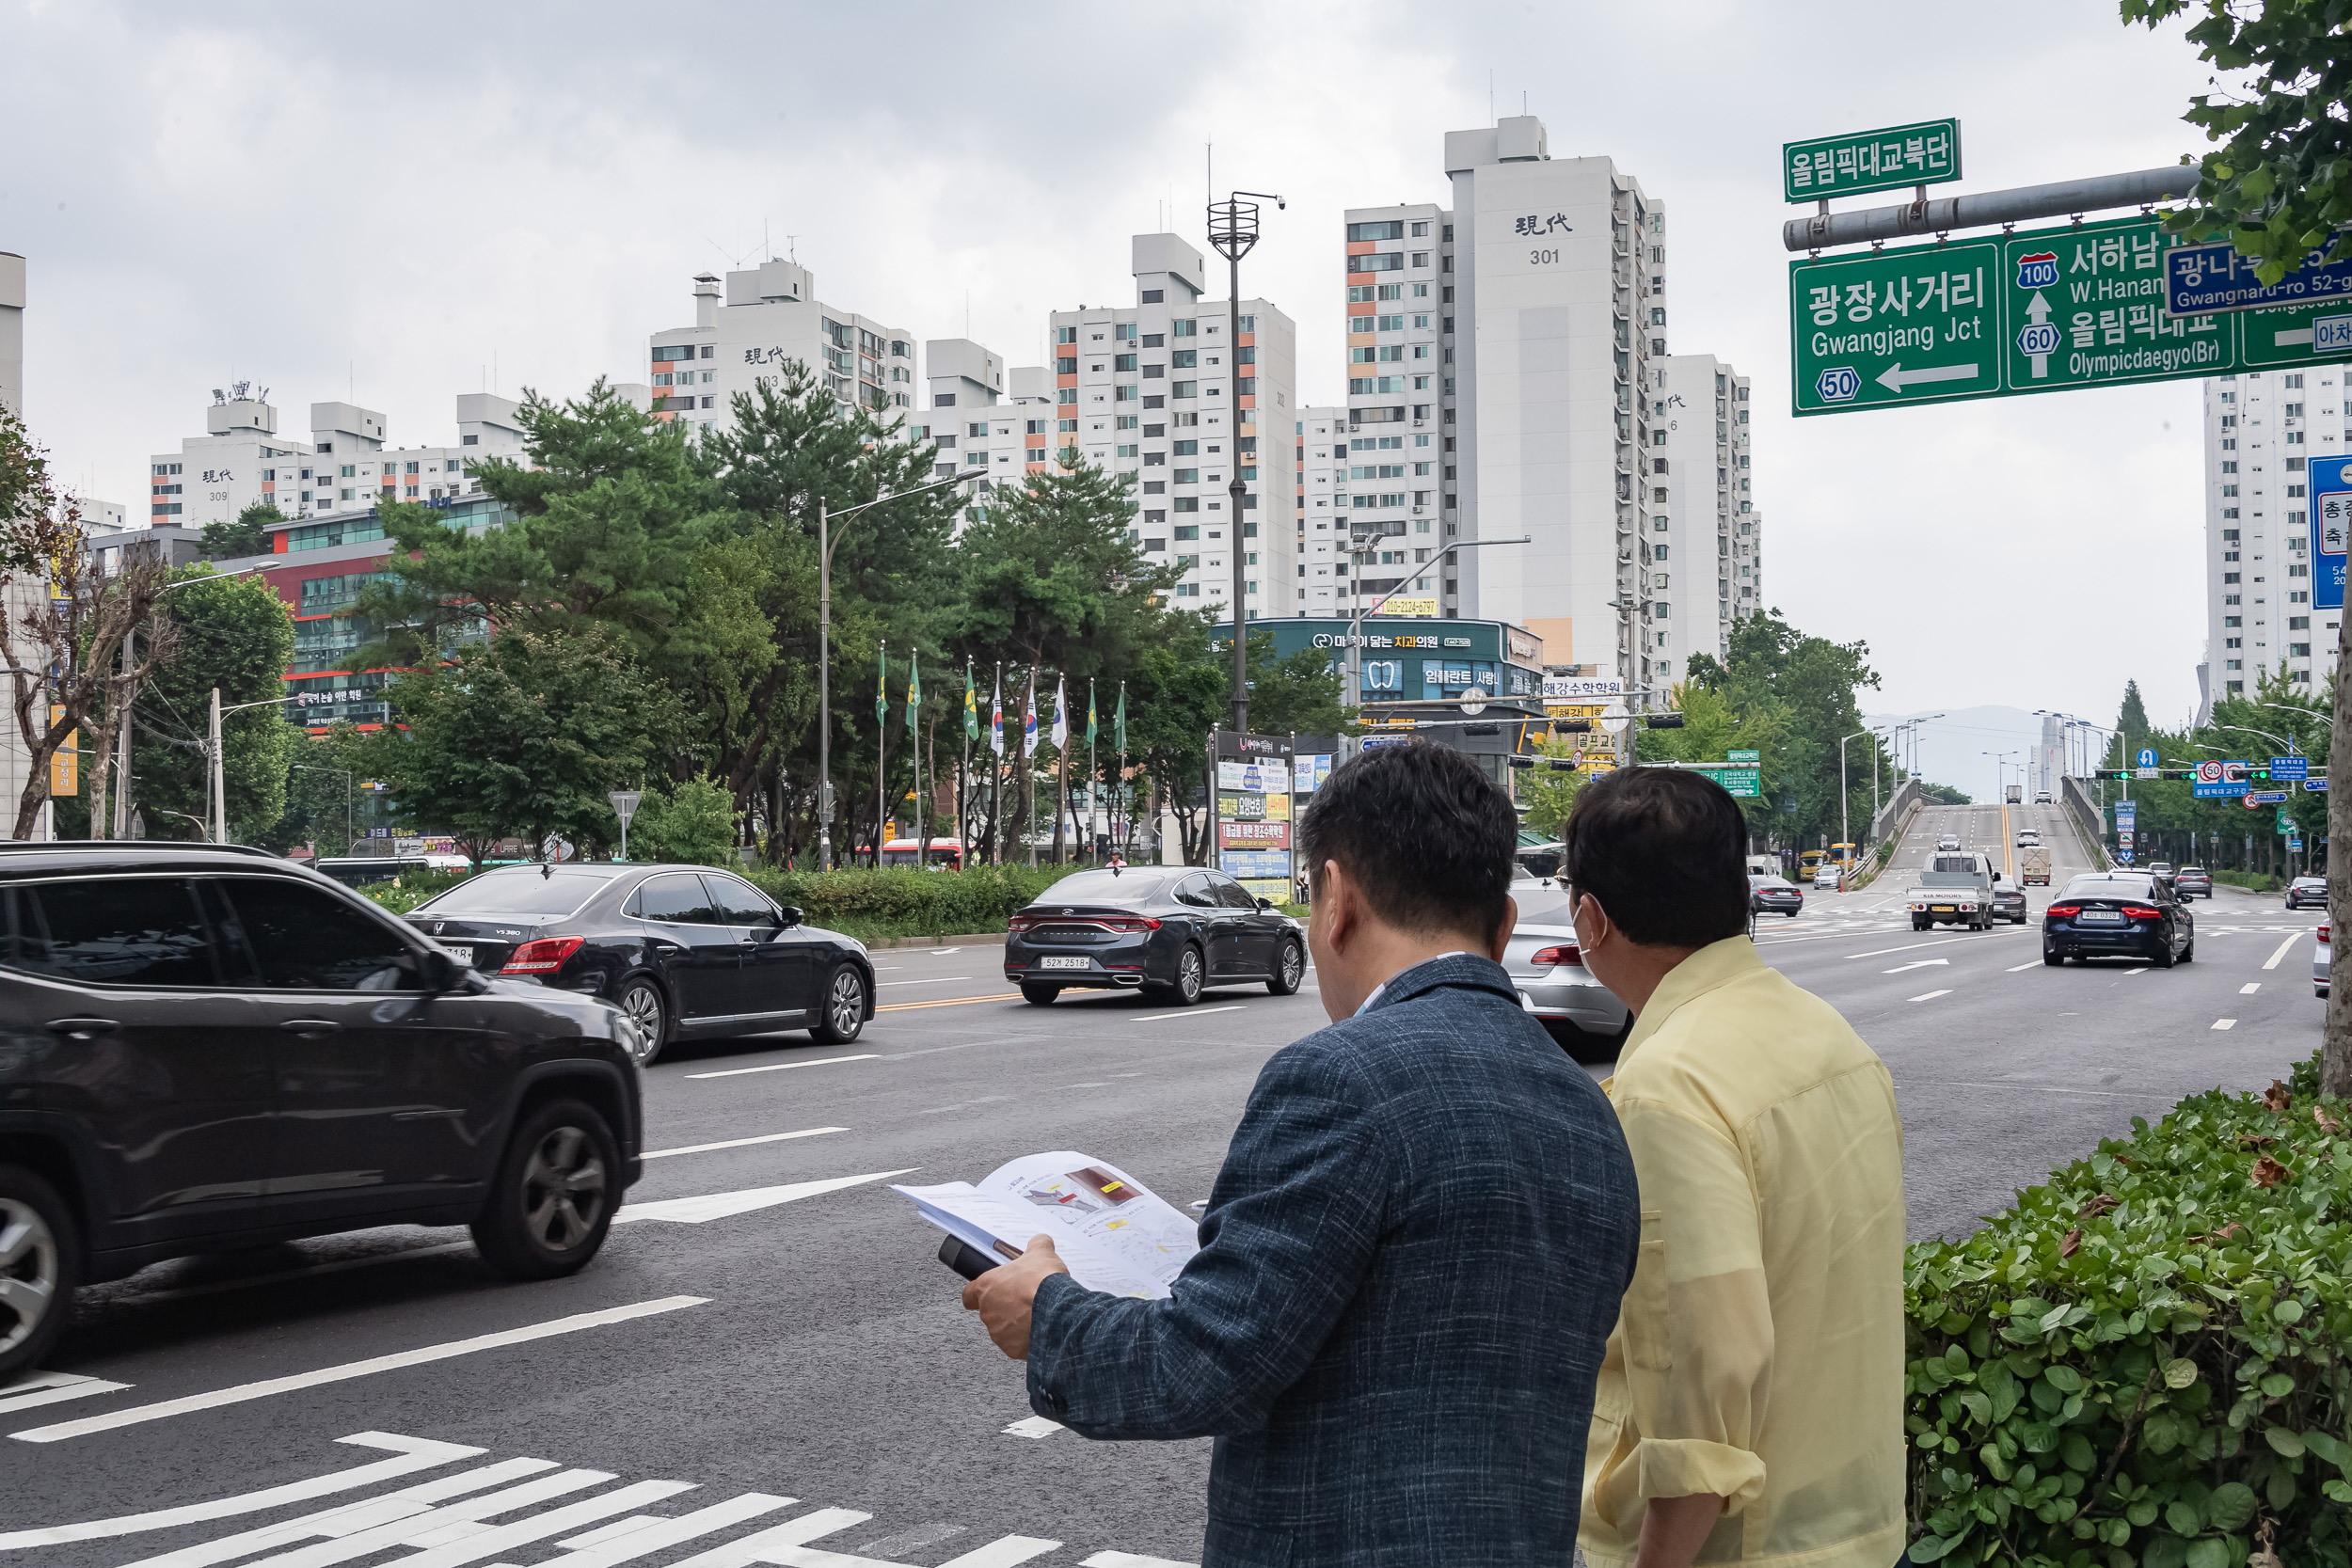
x,y
1132,923
1020,923
541,956
2322,936
2061,911
2141,911
1554,958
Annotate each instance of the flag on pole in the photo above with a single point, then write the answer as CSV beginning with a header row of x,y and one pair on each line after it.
x,y
1028,718
914,690
1061,712
882,678
1119,721
996,717
971,706
1089,713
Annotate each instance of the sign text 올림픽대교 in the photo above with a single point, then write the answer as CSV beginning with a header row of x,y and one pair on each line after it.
x,y
1927,153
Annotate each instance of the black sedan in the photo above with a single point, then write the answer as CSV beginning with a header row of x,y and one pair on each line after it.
x,y
1170,931
2303,890
2009,900
2119,914
1774,895
686,951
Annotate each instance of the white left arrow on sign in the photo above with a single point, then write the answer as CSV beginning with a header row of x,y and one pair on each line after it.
x,y
1896,379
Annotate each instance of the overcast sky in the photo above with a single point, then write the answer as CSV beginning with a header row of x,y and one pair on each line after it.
x,y
383,201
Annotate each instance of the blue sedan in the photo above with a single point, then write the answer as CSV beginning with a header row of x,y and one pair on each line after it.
x,y
2119,914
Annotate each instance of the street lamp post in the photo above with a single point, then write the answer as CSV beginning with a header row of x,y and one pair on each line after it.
x,y
1232,232
825,542
1356,621
212,774
1845,830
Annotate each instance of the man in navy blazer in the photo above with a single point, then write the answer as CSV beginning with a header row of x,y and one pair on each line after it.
x,y
1413,1256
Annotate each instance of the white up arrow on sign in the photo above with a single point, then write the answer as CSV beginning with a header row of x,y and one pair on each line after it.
x,y
1895,378
2039,340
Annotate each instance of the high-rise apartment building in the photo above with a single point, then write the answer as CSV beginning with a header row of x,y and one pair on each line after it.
x,y
1704,538
1322,561
241,459
768,316
977,431
1503,341
2261,430
12,332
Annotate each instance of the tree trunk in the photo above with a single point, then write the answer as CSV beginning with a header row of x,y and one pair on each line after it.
x,y
2335,1067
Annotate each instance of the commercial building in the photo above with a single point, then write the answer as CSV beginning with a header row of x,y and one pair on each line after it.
x,y
767,317
1704,538
1499,354
241,459
2261,430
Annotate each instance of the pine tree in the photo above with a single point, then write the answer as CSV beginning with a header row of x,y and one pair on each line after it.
x,y
2131,722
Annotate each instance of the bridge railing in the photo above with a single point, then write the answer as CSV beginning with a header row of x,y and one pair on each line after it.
x,y
2090,821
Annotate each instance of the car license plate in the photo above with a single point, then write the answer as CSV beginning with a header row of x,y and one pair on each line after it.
x,y
1941,909
1067,962
462,954
2101,917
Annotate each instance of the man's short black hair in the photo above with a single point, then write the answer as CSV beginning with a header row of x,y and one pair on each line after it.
x,y
1663,851
1428,835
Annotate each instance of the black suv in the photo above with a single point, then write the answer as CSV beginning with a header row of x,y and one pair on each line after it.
x,y
205,1048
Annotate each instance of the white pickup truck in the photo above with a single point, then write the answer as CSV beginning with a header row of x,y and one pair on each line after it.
x,y
1956,889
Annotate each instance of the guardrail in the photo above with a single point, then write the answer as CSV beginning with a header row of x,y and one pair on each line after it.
x,y
1894,816
2090,824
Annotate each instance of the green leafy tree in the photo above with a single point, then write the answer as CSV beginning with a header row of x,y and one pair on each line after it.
x,y
236,634
1944,794
690,823
525,737
1548,794
247,535
2280,185
1178,693
1303,693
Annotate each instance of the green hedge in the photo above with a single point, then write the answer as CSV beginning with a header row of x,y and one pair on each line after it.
x,y
906,901
411,888
2261,881
2147,1362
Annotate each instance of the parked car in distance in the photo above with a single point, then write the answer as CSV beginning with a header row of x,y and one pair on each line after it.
x,y
1948,841
2322,956
2041,797
2028,837
2130,914
1832,877
687,952
2160,869
2009,900
228,1050
2193,882
1577,1010
2310,892
1165,930
1774,895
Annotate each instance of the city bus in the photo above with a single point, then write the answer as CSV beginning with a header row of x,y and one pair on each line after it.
x,y
1808,861
946,855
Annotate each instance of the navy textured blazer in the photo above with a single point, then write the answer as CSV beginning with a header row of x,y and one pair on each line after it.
x,y
1410,1264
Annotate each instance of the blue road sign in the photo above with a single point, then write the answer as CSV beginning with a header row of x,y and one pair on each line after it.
x,y
2226,790
2317,787
2126,813
2332,528
2264,797
2147,757
2290,767
2201,279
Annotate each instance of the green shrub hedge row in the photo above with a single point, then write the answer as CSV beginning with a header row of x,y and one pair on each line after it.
x,y
2261,881
2147,1362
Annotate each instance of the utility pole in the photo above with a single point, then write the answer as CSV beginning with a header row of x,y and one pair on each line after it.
x,y
1232,232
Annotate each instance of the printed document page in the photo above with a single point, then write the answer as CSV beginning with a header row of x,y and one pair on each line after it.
x,y
1115,1233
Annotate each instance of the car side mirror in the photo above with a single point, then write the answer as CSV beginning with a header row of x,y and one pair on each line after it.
x,y
1264,904
437,972
793,915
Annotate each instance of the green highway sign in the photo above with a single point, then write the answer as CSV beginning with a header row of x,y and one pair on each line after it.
x,y
1927,153
1750,757
1736,780
1911,325
2047,310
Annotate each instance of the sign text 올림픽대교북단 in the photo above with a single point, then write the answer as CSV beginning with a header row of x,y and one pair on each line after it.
x,y
1926,154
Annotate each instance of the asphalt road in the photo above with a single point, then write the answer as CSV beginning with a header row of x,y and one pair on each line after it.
x,y
789,1335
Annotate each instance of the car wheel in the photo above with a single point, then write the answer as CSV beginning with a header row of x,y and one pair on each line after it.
x,y
2190,951
1790,913
2052,956
641,999
1191,975
845,1008
2162,958
1918,925
1587,1046
41,1262
1037,995
1289,970
553,1199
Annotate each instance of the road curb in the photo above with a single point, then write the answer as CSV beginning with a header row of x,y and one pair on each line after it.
x,y
975,939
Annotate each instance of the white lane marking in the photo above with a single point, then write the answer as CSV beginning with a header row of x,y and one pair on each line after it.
x,y
2249,988
242,1392
416,1453
742,1142
1004,1553
1191,1012
783,1066
473,1546
601,1548
1034,1426
2129,973
1939,942
1931,995
1918,963
928,980
769,1546
2015,969
2225,1024
51,1389
2272,962
718,1206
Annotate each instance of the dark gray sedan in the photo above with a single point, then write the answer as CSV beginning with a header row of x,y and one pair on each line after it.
x,y
1774,895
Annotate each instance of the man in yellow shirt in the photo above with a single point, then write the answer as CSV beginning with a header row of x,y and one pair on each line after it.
x,y
1750,1403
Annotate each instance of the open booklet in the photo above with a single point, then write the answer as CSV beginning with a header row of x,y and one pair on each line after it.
x,y
1114,1232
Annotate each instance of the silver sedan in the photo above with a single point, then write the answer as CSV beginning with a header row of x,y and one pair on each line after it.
x,y
1554,983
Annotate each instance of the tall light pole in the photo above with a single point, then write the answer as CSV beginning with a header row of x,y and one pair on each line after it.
x,y
1356,621
1232,230
212,774
1845,830
825,542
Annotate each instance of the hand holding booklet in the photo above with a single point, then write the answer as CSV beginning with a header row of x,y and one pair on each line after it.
x,y
1116,1235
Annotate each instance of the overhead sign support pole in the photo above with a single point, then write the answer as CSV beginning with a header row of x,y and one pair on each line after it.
x,y
2064,200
